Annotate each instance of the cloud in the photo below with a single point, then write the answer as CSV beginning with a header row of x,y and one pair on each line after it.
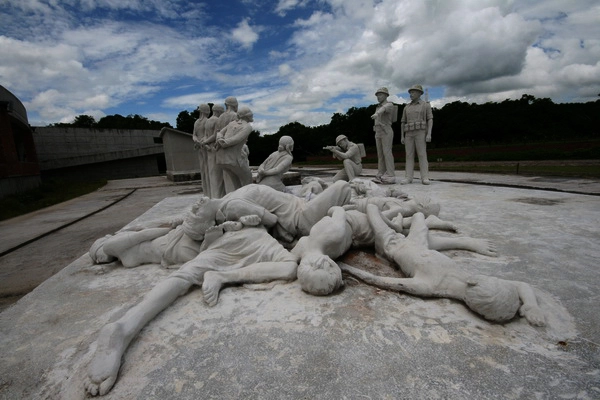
x,y
245,34
155,56
283,6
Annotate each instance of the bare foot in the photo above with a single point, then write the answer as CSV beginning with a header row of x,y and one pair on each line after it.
x,y
211,287
104,368
485,247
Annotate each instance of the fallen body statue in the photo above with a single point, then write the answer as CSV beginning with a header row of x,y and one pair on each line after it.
x,y
242,238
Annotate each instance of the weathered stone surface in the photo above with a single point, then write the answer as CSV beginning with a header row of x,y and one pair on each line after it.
x,y
282,343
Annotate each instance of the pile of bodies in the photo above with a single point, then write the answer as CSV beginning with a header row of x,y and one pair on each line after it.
x,y
258,234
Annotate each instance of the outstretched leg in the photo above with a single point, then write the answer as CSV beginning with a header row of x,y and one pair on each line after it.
x,y
255,273
480,246
115,337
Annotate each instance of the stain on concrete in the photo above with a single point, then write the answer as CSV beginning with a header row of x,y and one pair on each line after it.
x,y
538,201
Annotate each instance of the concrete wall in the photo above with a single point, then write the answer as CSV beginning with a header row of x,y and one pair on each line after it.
x,y
182,159
82,153
67,147
19,168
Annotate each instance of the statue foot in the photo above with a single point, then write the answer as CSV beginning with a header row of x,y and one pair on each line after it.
x,y
485,247
405,181
211,286
426,182
104,368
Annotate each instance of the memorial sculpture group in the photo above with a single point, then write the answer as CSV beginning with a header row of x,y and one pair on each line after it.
x,y
255,233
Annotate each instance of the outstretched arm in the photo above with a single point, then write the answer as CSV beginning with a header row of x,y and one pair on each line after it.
x,y
530,308
414,286
254,273
383,233
116,245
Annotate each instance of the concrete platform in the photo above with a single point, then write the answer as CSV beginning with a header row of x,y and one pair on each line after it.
x,y
275,342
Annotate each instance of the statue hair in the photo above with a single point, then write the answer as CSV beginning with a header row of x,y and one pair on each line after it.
x,y
495,299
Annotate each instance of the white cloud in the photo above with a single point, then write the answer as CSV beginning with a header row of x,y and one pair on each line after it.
x,y
245,34
470,50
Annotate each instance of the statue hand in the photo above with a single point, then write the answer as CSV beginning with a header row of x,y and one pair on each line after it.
x,y
402,140
428,138
533,314
229,226
250,220
373,116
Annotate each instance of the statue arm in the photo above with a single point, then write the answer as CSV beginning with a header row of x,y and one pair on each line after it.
x,y
123,241
383,233
414,286
530,308
280,168
237,209
429,118
239,136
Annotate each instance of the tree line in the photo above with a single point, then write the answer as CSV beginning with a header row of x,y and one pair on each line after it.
x,y
116,121
457,124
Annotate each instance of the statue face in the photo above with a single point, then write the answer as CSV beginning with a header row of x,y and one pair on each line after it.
x,y
414,95
381,97
343,144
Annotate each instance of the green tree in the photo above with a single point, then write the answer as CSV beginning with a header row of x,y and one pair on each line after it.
x,y
84,121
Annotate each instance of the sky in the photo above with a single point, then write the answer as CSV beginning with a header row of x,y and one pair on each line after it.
x,y
290,60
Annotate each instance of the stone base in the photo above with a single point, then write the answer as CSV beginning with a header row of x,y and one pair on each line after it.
x,y
276,342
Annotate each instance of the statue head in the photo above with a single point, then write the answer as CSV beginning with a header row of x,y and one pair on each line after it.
x,y
319,275
342,141
231,102
218,109
427,206
494,299
97,251
204,109
382,93
286,143
246,114
415,92
200,218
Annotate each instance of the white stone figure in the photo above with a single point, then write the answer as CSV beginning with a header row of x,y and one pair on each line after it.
x,y
166,243
384,137
287,215
231,158
432,274
230,246
330,238
271,171
416,125
368,188
406,207
349,153
317,273
215,175
200,133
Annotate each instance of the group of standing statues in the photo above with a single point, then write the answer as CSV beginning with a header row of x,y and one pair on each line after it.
x,y
221,139
255,233
416,125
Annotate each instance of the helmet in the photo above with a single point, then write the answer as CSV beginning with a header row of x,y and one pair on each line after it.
x,y
418,88
383,90
204,108
340,138
218,107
